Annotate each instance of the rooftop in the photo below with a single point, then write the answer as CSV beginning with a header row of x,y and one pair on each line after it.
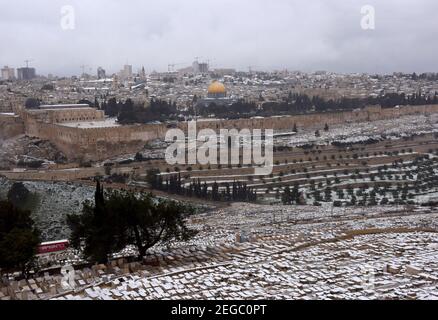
x,y
107,123
64,106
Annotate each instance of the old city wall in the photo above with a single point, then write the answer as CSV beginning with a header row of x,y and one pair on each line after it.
x,y
53,175
317,120
10,126
95,143
101,143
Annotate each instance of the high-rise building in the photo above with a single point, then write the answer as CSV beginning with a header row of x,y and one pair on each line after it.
x,y
26,73
127,70
195,67
199,67
101,74
8,73
203,68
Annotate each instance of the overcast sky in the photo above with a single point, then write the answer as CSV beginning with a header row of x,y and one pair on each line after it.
x,y
302,35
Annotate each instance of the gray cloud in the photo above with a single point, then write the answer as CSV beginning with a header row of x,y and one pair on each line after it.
x,y
294,34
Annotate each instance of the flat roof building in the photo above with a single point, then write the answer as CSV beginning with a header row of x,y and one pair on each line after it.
x,y
8,73
26,73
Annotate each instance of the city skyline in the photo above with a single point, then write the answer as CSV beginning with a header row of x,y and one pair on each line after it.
x,y
292,35
282,150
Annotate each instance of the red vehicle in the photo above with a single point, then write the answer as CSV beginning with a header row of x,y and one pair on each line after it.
x,y
53,246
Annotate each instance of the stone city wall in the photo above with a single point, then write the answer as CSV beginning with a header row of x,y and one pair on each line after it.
x,y
101,143
317,120
96,143
10,126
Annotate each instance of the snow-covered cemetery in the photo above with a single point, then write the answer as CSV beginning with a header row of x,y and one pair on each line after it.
x,y
257,252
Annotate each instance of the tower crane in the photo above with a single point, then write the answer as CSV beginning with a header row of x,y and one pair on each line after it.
x,y
27,62
83,69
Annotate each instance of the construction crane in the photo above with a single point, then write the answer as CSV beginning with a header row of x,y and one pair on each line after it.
x,y
27,62
210,62
83,69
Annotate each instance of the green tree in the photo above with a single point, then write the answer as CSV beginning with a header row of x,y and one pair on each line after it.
x,y
107,170
18,194
32,103
286,197
19,238
154,178
95,231
122,218
139,157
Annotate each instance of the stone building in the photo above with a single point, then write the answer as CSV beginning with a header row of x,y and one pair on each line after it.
x,y
7,73
81,131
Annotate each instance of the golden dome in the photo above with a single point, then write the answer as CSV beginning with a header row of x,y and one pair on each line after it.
x,y
216,88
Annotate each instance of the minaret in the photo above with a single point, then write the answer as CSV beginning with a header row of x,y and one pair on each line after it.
x,y
143,73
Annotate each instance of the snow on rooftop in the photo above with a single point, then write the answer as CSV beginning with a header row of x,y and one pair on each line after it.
x,y
107,123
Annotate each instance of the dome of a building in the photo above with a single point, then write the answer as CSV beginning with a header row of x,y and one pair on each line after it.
x,y
216,88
